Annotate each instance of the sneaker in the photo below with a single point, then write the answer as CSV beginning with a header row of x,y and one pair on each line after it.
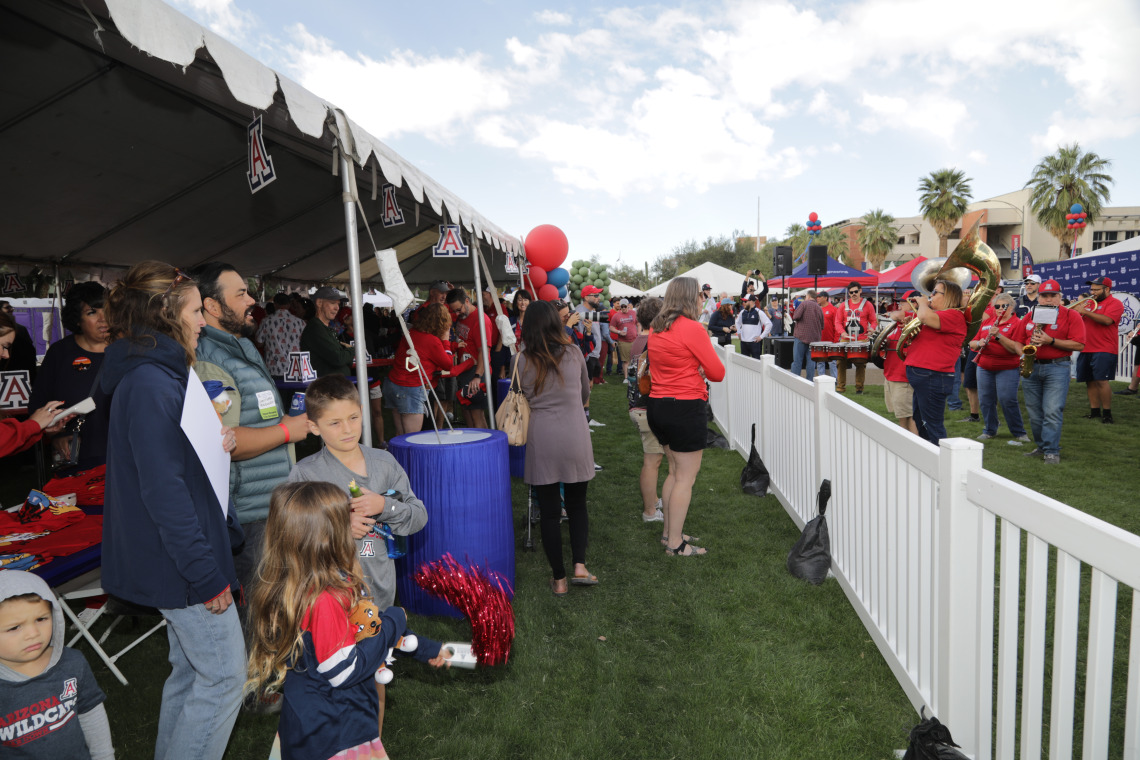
x,y
1052,459
986,437
625,382
1107,420
1021,439
971,418
657,516
859,392
597,467
595,423
1125,392
1037,452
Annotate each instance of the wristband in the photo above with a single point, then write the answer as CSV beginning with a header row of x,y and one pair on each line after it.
x,y
282,426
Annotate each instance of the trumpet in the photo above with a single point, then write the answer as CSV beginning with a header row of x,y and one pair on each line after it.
x,y
1079,303
1028,357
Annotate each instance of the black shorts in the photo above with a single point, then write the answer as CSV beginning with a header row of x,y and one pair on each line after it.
x,y
680,424
970,373
1096,366
593,367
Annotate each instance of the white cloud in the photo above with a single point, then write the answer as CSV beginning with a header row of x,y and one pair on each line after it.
x,y
404,93
932,115
552,18
978,157
221,16
671,202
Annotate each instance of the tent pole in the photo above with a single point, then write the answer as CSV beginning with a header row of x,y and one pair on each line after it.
x,y
484,348
355,298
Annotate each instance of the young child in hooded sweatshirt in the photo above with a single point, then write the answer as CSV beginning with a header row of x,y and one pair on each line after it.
x,y
50,706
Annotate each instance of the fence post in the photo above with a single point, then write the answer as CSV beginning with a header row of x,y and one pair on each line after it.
x,y
957,617
729,412
824,395
767,366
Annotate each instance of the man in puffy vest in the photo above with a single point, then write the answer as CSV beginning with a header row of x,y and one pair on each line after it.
x,y
265,434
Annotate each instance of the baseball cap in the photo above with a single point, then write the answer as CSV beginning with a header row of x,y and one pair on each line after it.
x,y
706,286
1034,278
1105,281
908,295
590,290
1050,286
439,286
623,302
726,302
325,293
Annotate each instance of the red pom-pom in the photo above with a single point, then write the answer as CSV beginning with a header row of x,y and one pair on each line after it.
x,y
483,596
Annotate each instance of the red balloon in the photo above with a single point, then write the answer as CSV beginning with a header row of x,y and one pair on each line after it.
x,y
548,293
813,216
537,277
546,246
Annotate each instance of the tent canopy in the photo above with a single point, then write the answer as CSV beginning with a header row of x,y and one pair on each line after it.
x,y
723,280
131,142
838,275
621,290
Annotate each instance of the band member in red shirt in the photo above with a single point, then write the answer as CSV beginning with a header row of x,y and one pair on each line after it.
x,y
897,393
828,336
1096,364
997,367
855,319
932,355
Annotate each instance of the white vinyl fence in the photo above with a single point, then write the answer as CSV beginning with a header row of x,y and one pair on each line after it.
x,y
948,566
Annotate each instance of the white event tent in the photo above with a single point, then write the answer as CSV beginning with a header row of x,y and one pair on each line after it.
x,y
722,280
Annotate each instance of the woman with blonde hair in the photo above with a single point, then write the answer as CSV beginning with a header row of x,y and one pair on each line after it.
x,y
681,358
166,537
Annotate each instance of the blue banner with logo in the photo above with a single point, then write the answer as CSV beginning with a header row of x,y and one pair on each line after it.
x,y
1122,268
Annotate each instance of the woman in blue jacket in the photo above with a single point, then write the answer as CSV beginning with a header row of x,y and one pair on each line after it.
x,y
166,543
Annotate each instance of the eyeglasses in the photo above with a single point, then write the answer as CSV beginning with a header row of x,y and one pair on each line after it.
x,y
854,292
938,293
179,277
1003,307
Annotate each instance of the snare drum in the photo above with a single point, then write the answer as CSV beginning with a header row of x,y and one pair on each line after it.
x,y
859,351
834,351
819,351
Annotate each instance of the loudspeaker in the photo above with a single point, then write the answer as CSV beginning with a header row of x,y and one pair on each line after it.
x,y
782,261
817,260
784,349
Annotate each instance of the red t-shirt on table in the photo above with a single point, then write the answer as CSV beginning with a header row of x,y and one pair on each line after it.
x,y
1102,339
674,357
1070,326
995,357
938,350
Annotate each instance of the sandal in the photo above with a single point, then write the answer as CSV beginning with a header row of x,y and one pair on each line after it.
x,y
589,579
684,537
694,551
554,587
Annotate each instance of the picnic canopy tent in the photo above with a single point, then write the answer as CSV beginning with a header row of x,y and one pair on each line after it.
x,y
838,275
722,280
621,290
125,136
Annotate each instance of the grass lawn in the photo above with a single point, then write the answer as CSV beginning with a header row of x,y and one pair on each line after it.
x,y
724,656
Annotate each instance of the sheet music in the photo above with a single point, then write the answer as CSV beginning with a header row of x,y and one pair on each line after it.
x,y
203,429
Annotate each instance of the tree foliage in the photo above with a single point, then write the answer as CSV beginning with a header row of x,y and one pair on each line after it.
x,y
877,237
1068,176
943,196
838,245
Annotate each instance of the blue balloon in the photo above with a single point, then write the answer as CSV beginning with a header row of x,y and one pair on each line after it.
x,y
558,277
1076,208
561,290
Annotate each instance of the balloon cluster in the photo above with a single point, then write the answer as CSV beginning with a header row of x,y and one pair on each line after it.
x,y
583,273
1076,217
813,225
546,248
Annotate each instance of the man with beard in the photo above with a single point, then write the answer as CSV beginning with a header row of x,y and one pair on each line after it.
x,y
1096,364
265,434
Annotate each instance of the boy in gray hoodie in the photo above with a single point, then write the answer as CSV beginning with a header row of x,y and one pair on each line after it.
x,y
50,705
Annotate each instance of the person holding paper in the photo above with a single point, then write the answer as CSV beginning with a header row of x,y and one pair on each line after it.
x,y
1056,332
166,536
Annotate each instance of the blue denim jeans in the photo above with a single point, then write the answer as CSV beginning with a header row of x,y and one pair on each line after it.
x,y
1000,387
203,692
954,401
930,392
1045,393
801,353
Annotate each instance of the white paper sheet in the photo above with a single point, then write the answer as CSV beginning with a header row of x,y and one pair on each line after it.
x,y
203,429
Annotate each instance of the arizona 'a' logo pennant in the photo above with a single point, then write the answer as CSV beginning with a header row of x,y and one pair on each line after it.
x,y
393,216
450,243
260,171
12,284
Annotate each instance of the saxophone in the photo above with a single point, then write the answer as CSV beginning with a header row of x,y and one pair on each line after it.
x,y
1028,357
971,256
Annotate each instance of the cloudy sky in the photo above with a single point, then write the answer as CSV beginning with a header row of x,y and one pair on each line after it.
x,y
636,128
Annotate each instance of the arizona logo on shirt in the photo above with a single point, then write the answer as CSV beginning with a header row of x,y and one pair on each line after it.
x,y
81,363
26,724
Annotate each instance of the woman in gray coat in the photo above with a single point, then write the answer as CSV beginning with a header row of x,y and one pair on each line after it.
x,y
552,374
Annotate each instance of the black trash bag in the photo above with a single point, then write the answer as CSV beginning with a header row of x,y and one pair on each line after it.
x,y
754,478
930,740
715,440
810,558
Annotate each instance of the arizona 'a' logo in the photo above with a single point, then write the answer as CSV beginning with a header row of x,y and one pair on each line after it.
x,y
393,216
260,171
450,243
367,549
69,689
12,284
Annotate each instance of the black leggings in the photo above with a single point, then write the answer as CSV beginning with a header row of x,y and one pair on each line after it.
x,y
550,511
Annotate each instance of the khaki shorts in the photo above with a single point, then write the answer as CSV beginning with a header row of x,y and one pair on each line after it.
x,y
624,350
899,398
649,444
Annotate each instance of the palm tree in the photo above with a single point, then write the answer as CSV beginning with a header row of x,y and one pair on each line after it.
x,y
1062,179
877,237
838,246
943,199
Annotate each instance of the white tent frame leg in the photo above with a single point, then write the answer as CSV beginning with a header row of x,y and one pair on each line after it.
x,y
355,294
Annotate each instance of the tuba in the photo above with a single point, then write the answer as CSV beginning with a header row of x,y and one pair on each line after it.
x,y
971,257
1028,357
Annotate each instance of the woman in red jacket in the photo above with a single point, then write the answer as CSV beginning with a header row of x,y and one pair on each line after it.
x,y
403,387
18,435
932,355
681,358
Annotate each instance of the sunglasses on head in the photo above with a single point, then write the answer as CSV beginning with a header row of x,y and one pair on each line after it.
x,y
179,277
